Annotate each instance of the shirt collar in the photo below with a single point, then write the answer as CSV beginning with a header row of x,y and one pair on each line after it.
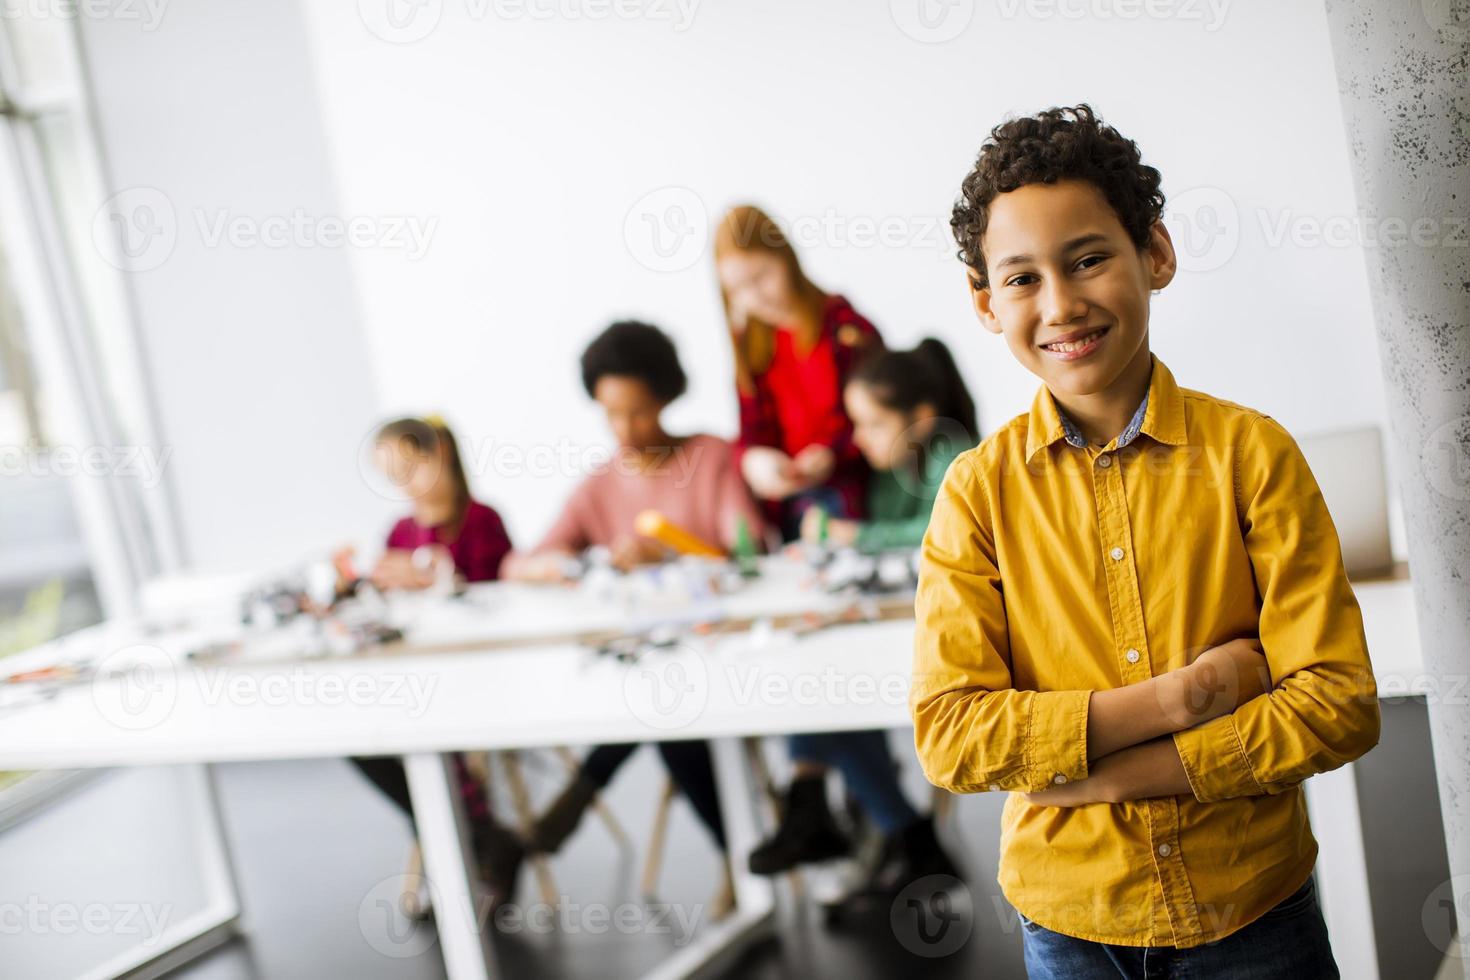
x,y
1160,416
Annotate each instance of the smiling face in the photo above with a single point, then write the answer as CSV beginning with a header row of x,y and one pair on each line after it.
x,y
1069,290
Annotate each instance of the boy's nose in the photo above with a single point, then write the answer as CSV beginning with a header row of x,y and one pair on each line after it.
x,y
1061,303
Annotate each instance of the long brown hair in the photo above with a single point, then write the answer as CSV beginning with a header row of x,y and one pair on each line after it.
x,y
426,435
746,228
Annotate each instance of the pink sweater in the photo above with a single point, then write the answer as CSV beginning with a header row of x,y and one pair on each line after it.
x,y
697,487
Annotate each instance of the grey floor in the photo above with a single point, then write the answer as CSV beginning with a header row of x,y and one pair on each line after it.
x,y
316,848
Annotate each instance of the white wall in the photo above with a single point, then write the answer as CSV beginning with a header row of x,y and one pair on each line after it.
x,y
524,145
254,353
529,141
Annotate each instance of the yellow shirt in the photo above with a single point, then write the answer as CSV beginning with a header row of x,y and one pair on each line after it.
x,y
1051,571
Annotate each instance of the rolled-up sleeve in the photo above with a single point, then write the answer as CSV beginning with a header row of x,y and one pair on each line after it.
x,y
973,730
1323,709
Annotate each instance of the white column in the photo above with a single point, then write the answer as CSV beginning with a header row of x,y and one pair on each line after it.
x,y
1402,77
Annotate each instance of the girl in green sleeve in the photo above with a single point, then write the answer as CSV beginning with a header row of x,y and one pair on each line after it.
x,y
912,415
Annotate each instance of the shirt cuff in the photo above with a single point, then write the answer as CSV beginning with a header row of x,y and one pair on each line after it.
x,y
1215,761
1057,737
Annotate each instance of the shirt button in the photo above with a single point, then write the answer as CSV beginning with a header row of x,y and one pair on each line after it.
x,y
1165,850
1132,656
1059,779
1105,461
1116,554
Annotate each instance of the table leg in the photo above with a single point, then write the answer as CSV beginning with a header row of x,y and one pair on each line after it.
x,y
444,837
1342,871
718,944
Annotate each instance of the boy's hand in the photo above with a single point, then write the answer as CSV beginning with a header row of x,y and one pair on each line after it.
x,y
1139,772
1219,680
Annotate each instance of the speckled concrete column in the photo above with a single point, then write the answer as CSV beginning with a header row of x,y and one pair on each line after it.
x,y
1402,75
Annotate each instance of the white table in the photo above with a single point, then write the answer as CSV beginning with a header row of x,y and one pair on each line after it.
x,y
423,706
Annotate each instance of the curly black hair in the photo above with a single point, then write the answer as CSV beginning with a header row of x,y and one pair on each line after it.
x,y
630,349
1064,143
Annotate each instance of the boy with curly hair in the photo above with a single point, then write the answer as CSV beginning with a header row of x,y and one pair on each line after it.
x,y
1132,612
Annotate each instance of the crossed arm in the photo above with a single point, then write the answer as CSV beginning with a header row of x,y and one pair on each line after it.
x,y
1130,747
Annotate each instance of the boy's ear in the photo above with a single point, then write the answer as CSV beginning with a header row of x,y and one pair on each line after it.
x,y
1162,262
980,298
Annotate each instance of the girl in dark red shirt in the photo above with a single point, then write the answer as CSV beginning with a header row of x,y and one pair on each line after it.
x,y
795,347
421,458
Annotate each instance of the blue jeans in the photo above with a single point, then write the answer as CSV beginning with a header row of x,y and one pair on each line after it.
x,y
1287,943
867,769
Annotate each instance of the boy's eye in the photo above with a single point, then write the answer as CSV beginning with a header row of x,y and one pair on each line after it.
x,y
1024,279
1089,261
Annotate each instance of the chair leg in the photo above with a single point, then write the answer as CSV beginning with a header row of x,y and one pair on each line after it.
x,y
942,804
510,760
656,841
410,898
